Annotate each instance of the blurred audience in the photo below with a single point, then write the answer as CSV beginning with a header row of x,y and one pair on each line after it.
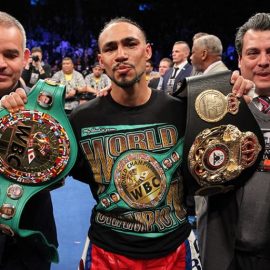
x,y
62,30
164,65
149,70
95,82
74,82
35,68
174,76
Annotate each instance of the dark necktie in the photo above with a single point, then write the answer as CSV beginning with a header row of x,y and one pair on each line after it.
x,y
265,101
174,73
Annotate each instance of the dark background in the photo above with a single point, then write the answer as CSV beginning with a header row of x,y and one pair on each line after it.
x,y
47,22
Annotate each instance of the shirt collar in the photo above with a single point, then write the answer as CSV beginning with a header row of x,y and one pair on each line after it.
x,y
180,66
212,66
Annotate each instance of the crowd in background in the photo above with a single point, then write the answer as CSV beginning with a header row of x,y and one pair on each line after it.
x,y
70,28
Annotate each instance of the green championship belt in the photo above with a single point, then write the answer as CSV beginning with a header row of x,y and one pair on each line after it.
x,y
37,149
140,172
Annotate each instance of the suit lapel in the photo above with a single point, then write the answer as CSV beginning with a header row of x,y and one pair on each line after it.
x,y
182,73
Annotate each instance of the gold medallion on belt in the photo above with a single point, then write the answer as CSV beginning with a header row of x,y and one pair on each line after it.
x,y
211,105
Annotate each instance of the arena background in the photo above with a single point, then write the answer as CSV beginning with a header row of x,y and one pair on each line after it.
x,y
56,23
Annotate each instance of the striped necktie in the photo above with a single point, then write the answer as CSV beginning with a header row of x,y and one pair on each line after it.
x,y
265,101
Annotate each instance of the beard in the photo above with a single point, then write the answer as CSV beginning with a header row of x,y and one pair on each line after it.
x,y
124,83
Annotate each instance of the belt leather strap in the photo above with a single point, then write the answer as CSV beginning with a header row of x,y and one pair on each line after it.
x,y
37,149
223,141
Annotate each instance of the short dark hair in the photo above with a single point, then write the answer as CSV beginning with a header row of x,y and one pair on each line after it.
x,y
36,49
258,22
67,59
125,20
96,64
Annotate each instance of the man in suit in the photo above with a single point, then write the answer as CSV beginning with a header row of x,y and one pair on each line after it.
x,y
206,55
240,229
164,65
181,69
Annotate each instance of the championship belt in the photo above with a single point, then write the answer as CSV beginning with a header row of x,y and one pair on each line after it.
x,y
223,141
37,149
140,179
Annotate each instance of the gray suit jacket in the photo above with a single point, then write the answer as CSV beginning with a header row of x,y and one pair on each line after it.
x,y
217,68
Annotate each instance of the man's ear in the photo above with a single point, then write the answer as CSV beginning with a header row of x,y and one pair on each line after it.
x,y
26,56
148,51
204,54
100,61
239,62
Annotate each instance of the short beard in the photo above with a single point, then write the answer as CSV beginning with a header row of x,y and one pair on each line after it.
x,y
127,84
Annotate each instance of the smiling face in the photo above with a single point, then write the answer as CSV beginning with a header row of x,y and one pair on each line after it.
x,y
13,57
254,61
123,53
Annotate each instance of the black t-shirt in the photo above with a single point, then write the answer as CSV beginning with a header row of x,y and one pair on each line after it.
x,y
135,155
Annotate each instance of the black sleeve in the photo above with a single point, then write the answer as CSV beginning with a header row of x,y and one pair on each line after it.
x,y
47,72
81,170
26,74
